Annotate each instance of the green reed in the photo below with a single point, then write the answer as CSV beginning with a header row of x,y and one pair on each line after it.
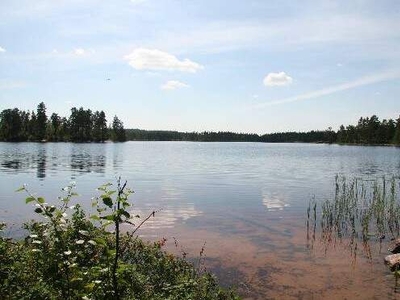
x,y
361,209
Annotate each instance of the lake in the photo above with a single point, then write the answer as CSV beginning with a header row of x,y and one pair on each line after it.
x,y
246,202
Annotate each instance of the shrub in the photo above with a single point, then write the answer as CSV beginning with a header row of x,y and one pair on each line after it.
x,y
69,255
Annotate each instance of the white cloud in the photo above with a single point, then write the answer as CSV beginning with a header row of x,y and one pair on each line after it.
x,y
9,84
153,59
2,49
277,79
286,34
79,51
173,85
137,2
366,80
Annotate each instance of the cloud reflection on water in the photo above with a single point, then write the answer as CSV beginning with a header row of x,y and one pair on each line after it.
x,y
273,201
166,218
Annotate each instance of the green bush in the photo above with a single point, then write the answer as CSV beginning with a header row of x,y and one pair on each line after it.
x,y
69,255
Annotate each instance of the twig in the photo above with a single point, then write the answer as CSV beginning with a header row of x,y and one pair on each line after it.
x,y
152,214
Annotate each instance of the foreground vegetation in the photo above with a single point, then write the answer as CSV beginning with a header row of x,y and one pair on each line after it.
x,y
68,255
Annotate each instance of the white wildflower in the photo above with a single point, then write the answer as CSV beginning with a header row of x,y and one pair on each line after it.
x,y
84,232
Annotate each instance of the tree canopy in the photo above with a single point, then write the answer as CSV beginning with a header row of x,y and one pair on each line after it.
x,y
82,125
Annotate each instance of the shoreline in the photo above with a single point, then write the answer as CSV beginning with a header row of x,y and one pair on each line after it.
x,y
193,141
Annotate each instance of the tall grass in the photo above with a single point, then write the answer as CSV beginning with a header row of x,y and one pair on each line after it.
x,y
361,210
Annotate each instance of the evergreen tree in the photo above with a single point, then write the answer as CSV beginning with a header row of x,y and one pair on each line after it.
x,y
80,125
32,127
54,125
41,122
25,119
64,130
99,126
118,131
396,139
10,125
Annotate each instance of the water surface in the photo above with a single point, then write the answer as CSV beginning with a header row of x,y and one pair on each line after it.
x,y
247,201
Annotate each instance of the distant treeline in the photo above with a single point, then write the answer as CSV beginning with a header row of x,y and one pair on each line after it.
x,y
327,136
369,131
206,136
82,125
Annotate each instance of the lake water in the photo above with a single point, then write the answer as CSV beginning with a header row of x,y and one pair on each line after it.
x,y
246,201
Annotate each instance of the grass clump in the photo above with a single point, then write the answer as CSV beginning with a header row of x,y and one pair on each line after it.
x,y
360,210
70,255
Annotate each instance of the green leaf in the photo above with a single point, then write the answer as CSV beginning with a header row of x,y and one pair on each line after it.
x,y
109,193
38,210
108,217
100,241
108,201
29,199
126,214
108,223
20,189
122,267
89,286
95,217
40,200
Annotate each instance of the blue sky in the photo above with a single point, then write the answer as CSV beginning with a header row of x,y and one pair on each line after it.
x,y
244,66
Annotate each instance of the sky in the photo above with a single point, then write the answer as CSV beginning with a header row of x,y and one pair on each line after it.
x,y
207,65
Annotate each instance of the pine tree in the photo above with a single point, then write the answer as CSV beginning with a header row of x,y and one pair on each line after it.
x,y
118,131
41,122
99,126
396,139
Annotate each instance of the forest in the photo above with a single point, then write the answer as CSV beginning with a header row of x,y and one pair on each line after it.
x,y
368,131
83,125
206,136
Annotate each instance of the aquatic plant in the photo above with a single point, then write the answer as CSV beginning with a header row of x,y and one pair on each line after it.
x,y
69,255
361,210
